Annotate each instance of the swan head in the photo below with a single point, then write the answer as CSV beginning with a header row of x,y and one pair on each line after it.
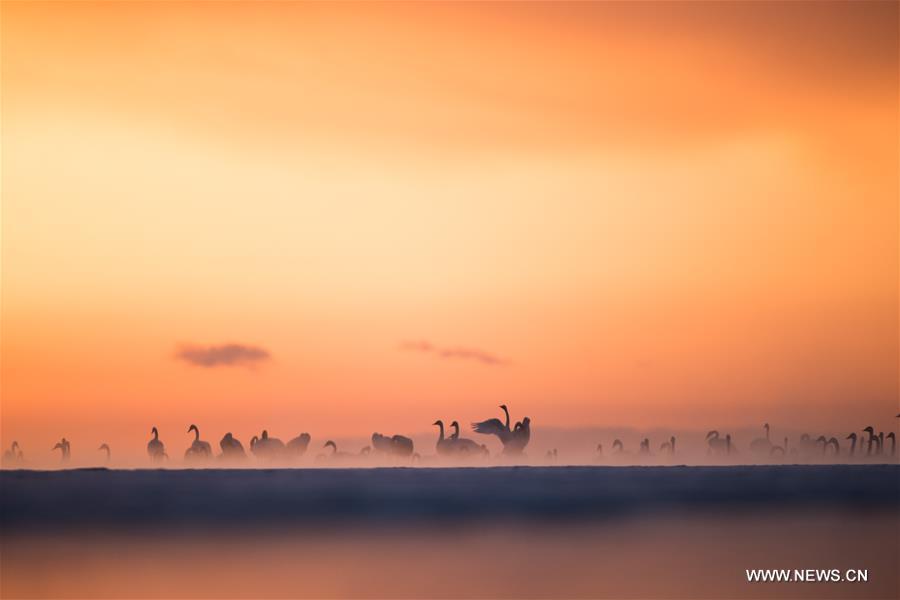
x,y
822,439
253,441
58,445
193,428
103,447
15,446
526,422
870,430
265,434
852,436
454,424
438,423
891,436
332,444
503,406
155,432
712,434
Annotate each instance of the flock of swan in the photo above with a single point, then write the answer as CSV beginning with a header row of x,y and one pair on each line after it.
x,y
866,445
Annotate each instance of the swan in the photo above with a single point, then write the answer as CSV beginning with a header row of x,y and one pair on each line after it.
x,y
13,455
617,446
231,447
443,446
880,440
668,447
762,445
521,435
337,455
155,448
64,448
299,444
199,449
465,445
871,431
496,427
397,445
833,443
779,450
267,447
852,438
717,444
645,446
108,452
891,436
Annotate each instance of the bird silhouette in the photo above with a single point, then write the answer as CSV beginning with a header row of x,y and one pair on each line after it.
x,y
65,449
298,445
871,431
396,445
444,446
617,446
521,435
231,447
199,449
267,447
465,446
762,446
13,456
668,447
496,427
779,450
108,452
155,448
717,444
852,438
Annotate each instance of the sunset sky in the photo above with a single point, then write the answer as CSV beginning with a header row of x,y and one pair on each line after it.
x,y
649,215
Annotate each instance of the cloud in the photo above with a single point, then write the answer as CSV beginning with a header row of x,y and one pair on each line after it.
x,y
485,358
225,355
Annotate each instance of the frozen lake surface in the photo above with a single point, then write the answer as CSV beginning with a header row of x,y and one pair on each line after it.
x,y
530,532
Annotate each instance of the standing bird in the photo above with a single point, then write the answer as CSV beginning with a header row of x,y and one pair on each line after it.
x,y
779,450
267,447
155,448
871,431
762,445
465,445
852,438
397,445
299,444
717,444
891,436
108,452
199,449
13,455
521,435
496,427
64,447
668,447
231,447
444,446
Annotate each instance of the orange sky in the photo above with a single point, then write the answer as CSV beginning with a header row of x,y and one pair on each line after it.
x,y
678,214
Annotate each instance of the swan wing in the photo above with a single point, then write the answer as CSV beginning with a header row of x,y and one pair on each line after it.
x,y
493,427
